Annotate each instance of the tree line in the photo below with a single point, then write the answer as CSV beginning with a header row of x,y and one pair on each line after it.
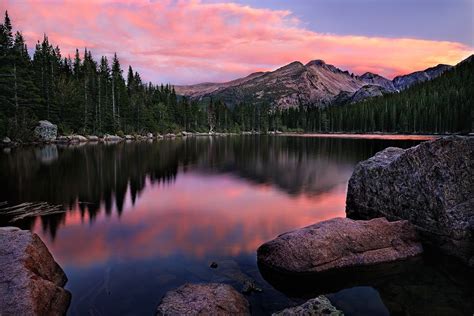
x,y
82,95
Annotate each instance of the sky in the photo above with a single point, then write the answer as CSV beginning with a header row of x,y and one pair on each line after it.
x,y
186,42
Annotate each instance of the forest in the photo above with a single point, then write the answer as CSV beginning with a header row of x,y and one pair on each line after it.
x,y
86,96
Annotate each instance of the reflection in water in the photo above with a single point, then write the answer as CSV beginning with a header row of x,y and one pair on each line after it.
x,y
429,285
141,218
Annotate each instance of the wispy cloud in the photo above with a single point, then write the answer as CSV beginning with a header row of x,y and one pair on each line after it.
x,y
191,41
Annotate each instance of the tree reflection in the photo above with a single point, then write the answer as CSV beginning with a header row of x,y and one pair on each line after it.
x,y
97,177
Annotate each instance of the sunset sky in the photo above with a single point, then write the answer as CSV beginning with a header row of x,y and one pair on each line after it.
x,y
183,42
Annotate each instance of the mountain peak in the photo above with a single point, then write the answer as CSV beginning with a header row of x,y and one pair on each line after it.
x,y
316,62
369,75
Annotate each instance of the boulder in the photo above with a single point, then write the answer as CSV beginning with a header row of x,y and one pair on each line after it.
x,y
46,131
31,282
6,140
204,299
149,135
170,135
129,137
431,185
318,306
340,243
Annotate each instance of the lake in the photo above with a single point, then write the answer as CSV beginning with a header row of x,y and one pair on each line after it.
x,y
138,219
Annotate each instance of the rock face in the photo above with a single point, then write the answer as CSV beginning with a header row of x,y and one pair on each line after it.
x,y
46,131
318,306
430,185
340,243
204,299
31,282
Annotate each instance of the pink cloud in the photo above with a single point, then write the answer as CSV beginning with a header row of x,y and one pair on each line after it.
x,y
192,41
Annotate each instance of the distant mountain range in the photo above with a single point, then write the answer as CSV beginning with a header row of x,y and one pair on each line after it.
x,y
316,83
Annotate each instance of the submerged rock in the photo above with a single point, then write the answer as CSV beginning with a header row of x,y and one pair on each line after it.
x,y
314,307
340,243
203,299
431,185
31,282
46,131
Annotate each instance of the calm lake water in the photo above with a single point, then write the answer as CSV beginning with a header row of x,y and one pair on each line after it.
x,y
142,218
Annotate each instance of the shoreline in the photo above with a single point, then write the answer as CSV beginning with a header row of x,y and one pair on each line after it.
x,y
79,139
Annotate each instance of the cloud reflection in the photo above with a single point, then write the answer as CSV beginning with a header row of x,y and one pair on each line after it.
x,y
198,216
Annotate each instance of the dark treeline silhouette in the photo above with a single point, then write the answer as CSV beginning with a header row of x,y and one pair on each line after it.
x,y
82,95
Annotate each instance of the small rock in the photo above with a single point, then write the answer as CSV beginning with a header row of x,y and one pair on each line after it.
x,y
129,137
112,138
203,299
92,138
149,135
249,287
77,139
318,306
213,265
6,140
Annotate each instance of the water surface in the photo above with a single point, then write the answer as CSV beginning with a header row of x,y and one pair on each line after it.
x,y
141,218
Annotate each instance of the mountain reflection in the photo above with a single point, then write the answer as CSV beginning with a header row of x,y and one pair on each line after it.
x,y
91,179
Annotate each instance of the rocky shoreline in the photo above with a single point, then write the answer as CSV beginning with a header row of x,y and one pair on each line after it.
x,y
46,133
398,202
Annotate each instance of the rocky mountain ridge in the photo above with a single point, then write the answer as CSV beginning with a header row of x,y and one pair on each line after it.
x,y
314,84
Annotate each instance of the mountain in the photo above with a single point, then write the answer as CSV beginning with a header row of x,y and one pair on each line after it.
x,y
314,84
200,89
374,79
406,81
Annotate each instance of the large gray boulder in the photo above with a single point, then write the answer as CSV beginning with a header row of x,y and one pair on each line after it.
x,y
339,243
46,131
318,306
431,185
31,282
204,299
